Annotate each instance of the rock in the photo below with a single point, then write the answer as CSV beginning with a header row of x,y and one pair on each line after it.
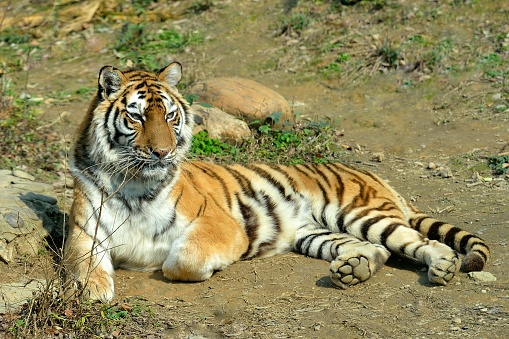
x,y
14,295
378,157
28,214
482,276
244,98
445,172
23,175
218,124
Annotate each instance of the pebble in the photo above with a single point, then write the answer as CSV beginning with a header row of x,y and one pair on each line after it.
x,y
432,165
445,172
482,276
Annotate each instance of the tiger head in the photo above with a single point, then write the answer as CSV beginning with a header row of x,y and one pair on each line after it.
x,y
139,124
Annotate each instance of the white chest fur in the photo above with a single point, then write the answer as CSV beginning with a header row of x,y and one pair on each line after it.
x,y
137,236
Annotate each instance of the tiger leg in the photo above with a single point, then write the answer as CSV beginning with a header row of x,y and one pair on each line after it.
x,y
90,265
352,260
210,245
393,233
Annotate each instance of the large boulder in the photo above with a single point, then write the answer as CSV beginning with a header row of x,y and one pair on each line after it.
x,y
245,99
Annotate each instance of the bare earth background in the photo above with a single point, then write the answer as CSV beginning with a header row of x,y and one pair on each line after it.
x,y
413,118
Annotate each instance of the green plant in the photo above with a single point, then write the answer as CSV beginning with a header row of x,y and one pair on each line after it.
x,y
203,145
200,6
389,54
499,164
150,46
495,66
294,24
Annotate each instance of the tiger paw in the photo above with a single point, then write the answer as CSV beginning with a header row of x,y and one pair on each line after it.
x,y
442,271
357,265
98,287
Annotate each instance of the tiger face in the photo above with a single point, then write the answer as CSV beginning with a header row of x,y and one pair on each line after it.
x,y
147,123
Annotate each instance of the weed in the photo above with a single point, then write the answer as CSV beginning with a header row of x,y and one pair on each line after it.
x,y
149,46
25,143
389,54
494,66
293,25
203,145
198,7
334,69
499,164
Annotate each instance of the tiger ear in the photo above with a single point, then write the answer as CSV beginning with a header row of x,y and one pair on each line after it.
x,y
110,80
171,74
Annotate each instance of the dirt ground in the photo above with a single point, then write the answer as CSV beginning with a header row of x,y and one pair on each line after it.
x,y
290,296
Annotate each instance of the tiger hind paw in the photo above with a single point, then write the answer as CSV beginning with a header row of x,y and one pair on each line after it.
x,y
357,265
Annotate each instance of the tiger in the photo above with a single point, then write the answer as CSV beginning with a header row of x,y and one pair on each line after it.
x,y
141,204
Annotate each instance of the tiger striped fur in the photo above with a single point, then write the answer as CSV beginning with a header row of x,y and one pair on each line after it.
x,y
140,205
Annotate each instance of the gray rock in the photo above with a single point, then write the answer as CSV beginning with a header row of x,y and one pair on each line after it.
x,y
23,175
14,295
482,276
219,125
28,214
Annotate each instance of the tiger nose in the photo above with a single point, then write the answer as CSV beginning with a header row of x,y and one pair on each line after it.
x,y
161,152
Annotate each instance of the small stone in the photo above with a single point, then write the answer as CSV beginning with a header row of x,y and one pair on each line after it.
x,y
445,172
456,320
378,157
23,175
482,276
432,165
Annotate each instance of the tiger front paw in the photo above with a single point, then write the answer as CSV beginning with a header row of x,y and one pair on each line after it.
x,y
98,286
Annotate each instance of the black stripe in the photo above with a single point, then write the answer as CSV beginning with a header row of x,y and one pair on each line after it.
x,y
389,229
433,231
250,224
312,237
338,244
291,180
322,175
417,222
340,186
481,253
368,223
450,237
270,206
221,181
243,181
267,176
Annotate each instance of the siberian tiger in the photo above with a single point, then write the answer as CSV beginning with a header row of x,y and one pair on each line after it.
x,y
138,204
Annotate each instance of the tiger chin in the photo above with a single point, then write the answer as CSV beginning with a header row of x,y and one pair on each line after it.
x,y
138,204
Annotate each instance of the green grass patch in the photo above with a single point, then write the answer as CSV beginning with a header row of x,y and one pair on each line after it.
x,y
25,143
310,142
152,48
